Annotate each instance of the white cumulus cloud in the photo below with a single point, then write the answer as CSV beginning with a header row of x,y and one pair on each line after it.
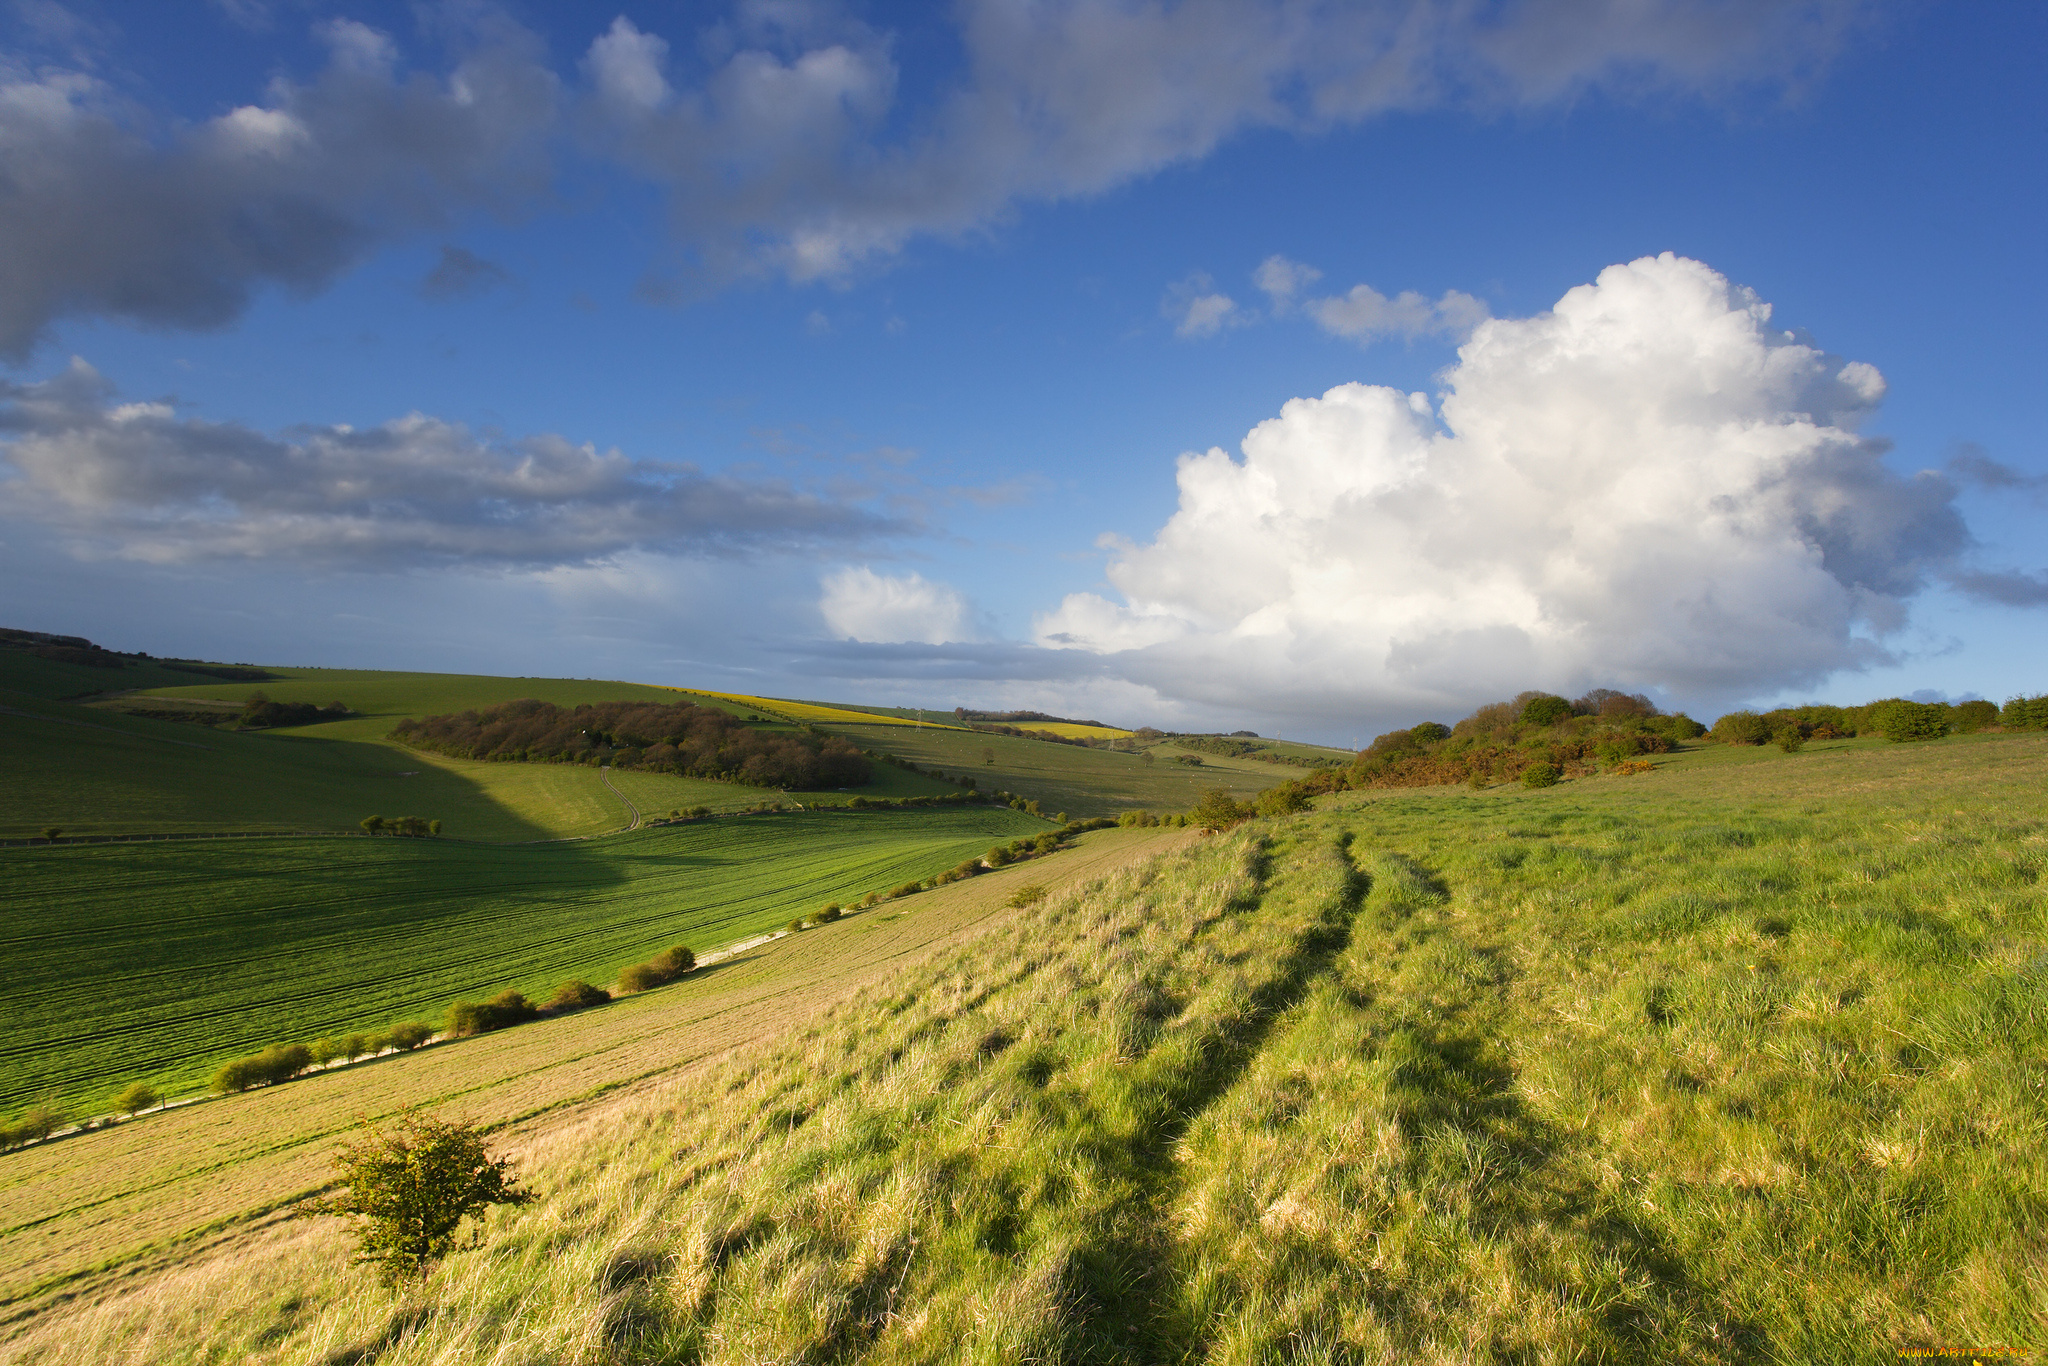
x,y
1648,487
859,604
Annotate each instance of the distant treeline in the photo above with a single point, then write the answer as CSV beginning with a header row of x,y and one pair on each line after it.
x,y
79,650
1231,748
259,712
1538,738
679,737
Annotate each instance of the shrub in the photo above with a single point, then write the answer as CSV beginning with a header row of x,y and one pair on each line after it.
x,y
1898,720
577,994
1628,768
137,1097
372,824
907,889
1429,732
1030,894
2024,713
404,1037
997,857
31,1125
1790,740
411,1190
52,833
279,1062
639,977
1741,728
1283,800
353,1046
325,1051
1047,843
507,1008
825,915
794,925
1218,810
659,970
1545,709
1971,717
1540,775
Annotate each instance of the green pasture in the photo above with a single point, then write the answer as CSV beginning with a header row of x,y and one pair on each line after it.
x,y
1745,1061
1070,778
22,672
156,961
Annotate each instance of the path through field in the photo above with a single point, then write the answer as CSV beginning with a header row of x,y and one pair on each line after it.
x,y
78,1213
605,772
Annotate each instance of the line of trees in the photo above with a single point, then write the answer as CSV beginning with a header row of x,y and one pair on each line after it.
x,y
259,712
1897,719
411,827
680,737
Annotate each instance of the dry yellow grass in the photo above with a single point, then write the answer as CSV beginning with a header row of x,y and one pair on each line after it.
x,y
811,711
139,1191
1077,732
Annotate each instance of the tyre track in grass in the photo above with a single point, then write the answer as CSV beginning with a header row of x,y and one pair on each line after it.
x,y
605,773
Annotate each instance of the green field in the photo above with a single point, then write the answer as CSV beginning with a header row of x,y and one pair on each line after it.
x,y
1745,1060
1071,778
157,961
95,770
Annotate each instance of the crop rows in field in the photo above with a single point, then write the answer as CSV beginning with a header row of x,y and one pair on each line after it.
x,y
157,961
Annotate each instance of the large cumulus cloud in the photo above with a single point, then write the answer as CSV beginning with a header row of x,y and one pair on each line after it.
x,y
1649,486
140,481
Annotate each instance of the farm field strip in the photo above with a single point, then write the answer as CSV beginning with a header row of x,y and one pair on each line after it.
x,y
158,961
108,1197
816,711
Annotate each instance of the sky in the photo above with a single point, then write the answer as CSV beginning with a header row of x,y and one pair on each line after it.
x,y
1308,368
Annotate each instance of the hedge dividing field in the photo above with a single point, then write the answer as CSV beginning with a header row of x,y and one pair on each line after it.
x,y
157,962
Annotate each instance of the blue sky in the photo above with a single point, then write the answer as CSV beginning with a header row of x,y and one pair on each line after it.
x,y
885,329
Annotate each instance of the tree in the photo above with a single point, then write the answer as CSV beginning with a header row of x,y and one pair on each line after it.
x,y
139,1096
1540,775
410,1190
51,833
1545,709
372,824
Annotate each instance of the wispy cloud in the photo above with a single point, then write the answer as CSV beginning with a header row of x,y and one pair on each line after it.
x,y
140,481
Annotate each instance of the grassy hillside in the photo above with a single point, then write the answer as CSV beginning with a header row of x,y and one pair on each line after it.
x,y
1069,778
1744,1062
148,1190
99,770
158,961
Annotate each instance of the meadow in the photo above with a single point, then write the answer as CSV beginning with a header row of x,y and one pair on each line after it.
x,y
97,1210
158,961
1071,778
1729,1062
95,769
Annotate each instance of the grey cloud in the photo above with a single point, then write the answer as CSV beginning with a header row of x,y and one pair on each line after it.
x,y
1973,466
793,156
2008,589
158,487
461,273
106,211
791,150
